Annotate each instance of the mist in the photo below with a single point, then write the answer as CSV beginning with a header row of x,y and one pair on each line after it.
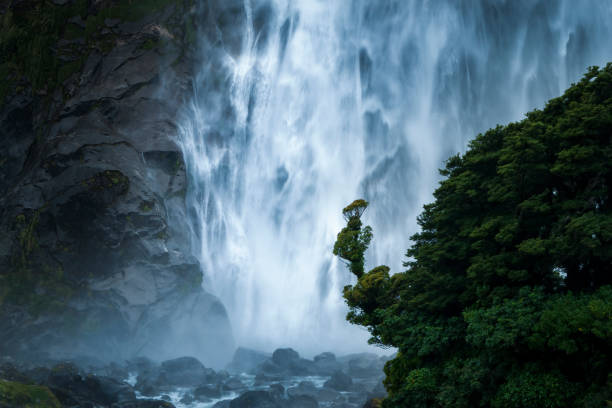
x,y
300,107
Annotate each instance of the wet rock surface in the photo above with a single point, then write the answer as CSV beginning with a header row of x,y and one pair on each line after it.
x,y
93,246
185,382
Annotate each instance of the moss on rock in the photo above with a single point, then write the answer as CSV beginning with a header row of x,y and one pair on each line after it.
x,y
27,396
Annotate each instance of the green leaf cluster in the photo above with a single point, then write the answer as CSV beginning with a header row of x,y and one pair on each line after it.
x,y
507,298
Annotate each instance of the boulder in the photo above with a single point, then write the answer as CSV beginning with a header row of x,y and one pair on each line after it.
x,y
184,372
363,365
303,388
302,401
206,392
246,360
233,384
339,381
284,357
326,363
277,390
255,399
286,361
143,403
328,395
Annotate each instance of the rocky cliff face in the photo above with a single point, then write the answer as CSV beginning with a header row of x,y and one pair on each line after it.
x,y
94,258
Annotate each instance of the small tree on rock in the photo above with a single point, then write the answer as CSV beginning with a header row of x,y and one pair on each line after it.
x,y
353,240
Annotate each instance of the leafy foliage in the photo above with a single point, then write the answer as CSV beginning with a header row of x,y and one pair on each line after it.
x,y
507,296
353,240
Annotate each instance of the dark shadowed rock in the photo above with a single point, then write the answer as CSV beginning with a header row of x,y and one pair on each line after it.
x,y
326,363
277,390
206,392
286,362
328,395
184,371
246,360
72,387
92,194
255,399
303,388
339,381
285,357
233,384
143,404
302,401
363,365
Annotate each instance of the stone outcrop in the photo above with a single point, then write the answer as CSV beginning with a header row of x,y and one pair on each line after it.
x,y
94,252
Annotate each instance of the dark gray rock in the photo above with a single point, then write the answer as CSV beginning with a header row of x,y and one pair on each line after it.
x,y
255,399
303,388
184,372
326,363
206,392
277,390
246,360
72,387
285,357
142,403
328,395
233,384
363,365
302,401
339,381
91,173
286,362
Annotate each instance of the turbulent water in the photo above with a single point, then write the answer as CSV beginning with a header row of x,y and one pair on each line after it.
x,y
302,106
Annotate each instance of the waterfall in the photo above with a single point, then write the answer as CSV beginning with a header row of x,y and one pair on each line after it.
x,y
299,107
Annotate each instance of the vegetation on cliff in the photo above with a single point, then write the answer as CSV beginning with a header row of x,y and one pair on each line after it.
x,y
30,396
506,300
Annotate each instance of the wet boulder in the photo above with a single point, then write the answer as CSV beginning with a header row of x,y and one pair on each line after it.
x,y
255,399
328,395
246,360
206,392
339,381
142,403
233,384
364,365
326,363
288,362
303,388
73,388
302,401
185,371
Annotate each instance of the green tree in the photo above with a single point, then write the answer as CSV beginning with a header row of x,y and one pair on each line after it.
x,y
507,298
353,240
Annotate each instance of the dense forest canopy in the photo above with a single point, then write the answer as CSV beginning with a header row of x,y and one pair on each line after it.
x,y
506,300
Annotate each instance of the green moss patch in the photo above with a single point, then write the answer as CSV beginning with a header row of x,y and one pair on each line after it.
x,y
27,396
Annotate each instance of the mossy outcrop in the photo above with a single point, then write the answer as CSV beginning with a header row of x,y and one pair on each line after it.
x,y
94,257
14,394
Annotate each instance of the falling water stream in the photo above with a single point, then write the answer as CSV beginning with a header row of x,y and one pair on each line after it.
x,y
299,107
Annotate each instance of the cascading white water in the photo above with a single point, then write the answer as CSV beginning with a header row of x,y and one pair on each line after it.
x,y
303,106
